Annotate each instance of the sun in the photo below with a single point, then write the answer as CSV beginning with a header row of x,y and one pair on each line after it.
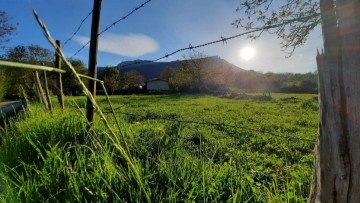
x,y
247,53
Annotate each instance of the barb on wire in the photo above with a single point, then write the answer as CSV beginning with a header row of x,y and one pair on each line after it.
x,y
190,46
263,131
78,29
112,25
124,17
225,39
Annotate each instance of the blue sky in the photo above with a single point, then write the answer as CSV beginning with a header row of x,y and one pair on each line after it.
x,y
162,26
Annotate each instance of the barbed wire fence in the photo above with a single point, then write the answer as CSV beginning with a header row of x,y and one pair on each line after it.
x,y
223,39
112,25
78,29
218,124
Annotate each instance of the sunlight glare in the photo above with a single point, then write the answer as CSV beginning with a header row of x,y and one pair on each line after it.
x,y
247,53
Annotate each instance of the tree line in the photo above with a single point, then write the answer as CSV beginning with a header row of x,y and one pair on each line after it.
x,y
199,74
195,74
14,83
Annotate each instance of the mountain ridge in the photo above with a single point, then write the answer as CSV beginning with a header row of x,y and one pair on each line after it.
x,y
152,70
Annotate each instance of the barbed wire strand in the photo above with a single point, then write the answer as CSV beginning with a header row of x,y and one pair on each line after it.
x,y
112,25
78,29
219,124
223,39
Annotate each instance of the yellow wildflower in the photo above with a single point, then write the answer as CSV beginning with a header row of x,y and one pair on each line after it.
x,y
160,129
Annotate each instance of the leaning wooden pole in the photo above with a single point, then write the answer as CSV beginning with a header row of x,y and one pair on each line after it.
x,y
40,90
47,92
337,173
90,110
60,93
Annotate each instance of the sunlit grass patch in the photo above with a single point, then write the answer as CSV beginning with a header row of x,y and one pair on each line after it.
x,y
57,161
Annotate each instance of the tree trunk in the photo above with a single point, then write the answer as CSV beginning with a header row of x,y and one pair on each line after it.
x,y
337,163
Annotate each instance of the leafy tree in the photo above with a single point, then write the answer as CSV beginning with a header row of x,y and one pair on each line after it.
x,y
70,86
198,66
111,77
132,80
167,73
198,73
17,54
37,54
291,20
181,80
194,73
6,28
20,80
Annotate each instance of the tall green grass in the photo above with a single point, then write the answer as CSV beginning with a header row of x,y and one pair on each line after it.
x,y
50,157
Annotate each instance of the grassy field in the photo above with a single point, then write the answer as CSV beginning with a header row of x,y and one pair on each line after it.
x,y
182,148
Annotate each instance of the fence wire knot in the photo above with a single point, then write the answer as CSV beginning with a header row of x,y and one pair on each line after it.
x,y
223,39
191,47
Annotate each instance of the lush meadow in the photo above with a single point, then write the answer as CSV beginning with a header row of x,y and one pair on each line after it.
x,y
183,148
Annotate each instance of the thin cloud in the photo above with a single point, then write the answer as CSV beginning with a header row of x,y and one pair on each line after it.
x,y
130,45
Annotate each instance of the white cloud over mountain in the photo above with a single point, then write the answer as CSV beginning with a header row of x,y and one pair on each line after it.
x,y
130,45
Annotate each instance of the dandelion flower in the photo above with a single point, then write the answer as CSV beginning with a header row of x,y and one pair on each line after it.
x,y
160,129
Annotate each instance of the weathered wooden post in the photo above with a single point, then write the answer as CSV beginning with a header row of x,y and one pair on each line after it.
x,y
93,59
39,89
60,94
48,99
337,172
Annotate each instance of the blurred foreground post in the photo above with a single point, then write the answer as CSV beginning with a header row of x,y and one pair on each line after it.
x,y
93,59
337,173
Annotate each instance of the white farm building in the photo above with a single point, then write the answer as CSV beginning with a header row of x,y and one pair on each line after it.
x,y
157,85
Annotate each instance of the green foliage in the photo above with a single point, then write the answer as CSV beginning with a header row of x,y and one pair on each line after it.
x,y
70,86
181,81
277,82
32,54
49,157
199,74
111,78
131,80
21,81
3,83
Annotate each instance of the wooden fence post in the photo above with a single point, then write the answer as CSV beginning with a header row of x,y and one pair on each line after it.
x,y
90,110
60,93
40,90
337,173
48,99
